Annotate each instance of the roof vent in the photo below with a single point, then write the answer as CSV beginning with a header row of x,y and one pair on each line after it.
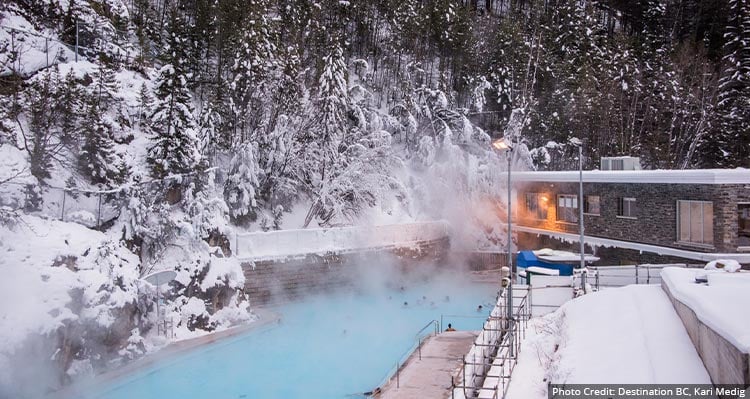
x,y
621,163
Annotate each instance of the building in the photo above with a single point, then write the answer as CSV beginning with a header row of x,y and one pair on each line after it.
x,y
638,216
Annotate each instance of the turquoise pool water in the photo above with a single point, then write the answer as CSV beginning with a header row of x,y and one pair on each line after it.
x,y
326,347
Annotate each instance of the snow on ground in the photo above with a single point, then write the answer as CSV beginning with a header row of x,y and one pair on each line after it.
x,y
722,304
34,53
617,336
38,242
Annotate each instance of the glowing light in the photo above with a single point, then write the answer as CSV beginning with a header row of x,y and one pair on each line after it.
x,y
500,145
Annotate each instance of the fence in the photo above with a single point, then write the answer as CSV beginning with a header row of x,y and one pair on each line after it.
x,y
618,276
31,51
91,208
486,369
284,243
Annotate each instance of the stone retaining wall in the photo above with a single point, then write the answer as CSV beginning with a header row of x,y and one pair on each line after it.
x,y
725,363
282,280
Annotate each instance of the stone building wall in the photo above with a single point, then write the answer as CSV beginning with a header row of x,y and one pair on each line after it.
x,y
283,280
656,215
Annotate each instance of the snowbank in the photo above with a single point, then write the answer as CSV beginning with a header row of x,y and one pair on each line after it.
x,y
722,304
628,335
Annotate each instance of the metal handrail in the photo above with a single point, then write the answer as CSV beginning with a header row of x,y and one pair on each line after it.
x,y
432,322
506,347
417,346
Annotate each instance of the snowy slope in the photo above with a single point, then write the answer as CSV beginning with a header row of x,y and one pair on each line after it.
x,y
628,335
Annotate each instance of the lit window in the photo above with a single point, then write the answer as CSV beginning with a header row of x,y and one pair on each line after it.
x,y
567,208
591,205
626,207
536,205
695,222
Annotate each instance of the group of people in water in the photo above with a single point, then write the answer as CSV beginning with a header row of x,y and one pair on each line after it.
x,y
423,300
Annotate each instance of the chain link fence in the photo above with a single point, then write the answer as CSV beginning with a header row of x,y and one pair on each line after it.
x,y
96,208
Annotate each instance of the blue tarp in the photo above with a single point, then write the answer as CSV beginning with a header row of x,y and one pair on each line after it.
x,y
527,259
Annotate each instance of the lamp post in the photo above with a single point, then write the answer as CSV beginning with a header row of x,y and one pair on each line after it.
x,y
501,145
580,215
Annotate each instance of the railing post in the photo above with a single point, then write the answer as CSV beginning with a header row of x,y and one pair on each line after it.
x,y
76,40
398,382
636,275
597,279
62,213
99,211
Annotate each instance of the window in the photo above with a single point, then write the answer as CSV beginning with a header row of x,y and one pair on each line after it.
x,y
743,230
536,205
567,208
695,222
626,207
591,205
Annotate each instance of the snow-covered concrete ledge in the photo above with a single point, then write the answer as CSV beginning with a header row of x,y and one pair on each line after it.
x,y
301,242
717,320
743,258
84,387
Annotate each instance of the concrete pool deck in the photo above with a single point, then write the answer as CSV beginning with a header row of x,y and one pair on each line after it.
x,y
431,376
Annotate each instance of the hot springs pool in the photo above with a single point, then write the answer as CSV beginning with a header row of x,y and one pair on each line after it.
x,y
325,347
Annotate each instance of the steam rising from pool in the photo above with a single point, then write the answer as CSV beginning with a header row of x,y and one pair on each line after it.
x,y
326,346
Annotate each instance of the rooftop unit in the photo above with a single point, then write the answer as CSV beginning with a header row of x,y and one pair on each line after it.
x,y
621,163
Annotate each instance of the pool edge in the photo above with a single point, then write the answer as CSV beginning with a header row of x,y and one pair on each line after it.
x,y
265,317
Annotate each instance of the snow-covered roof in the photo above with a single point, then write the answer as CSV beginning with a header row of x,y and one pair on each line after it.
x,y
742,257
683,176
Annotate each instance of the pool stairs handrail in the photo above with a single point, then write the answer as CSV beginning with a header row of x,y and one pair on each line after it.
x,y
419,336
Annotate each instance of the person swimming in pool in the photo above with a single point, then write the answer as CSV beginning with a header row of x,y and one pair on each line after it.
x,y
479,308
450,328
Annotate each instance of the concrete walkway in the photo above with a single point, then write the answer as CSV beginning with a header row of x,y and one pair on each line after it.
x,y
431,376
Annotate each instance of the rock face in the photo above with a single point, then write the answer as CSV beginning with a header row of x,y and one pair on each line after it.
x,y
281,280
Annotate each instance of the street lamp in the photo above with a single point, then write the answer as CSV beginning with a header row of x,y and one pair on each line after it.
x,y
579,143
501,145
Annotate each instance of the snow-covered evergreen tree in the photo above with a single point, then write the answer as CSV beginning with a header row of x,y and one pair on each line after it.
x,y
730,146
331,105
253,62
241,187
172,125
96,159
105,87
